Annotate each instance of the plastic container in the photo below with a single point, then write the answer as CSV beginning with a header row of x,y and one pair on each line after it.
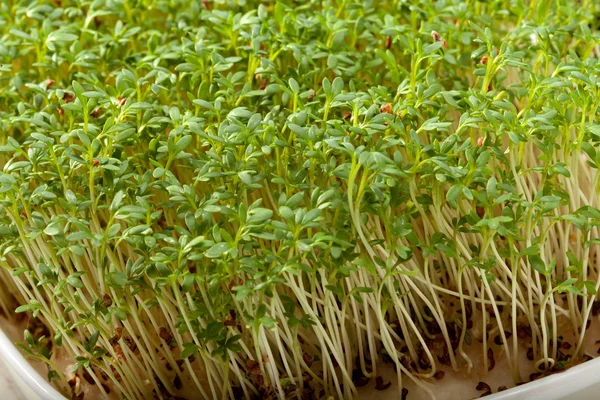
x,y
580,382
25,378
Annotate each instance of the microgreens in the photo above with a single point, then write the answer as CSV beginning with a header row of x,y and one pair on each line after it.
x,y
237,199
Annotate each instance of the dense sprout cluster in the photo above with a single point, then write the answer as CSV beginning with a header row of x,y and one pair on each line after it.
x,y
280,199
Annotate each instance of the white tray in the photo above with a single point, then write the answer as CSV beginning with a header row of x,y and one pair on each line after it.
x,y
581,382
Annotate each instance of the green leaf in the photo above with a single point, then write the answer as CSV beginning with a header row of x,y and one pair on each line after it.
x,y
183,143
311,216
21,34
259,215
116,203
187,284
118,278
61,37
76,236
188,350
52,230
74,281
94,95
294,86
491,188
537,263
530,251
218,250
32,305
